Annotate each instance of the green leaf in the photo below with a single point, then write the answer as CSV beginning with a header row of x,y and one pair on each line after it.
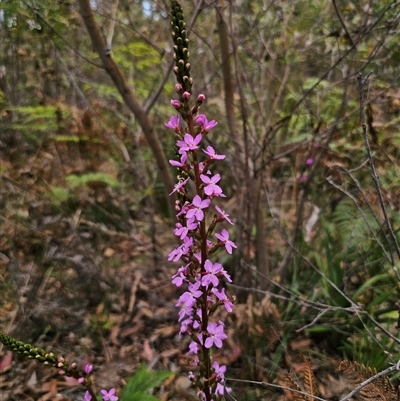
x,y
140,386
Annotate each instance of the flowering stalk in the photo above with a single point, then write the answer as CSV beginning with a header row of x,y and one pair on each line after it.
x,y
195,229
64,368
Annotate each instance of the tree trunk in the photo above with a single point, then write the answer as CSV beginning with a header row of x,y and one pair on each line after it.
x,y
129,97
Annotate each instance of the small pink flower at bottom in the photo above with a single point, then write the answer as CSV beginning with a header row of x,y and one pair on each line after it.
x,y
222,390
88,397
109,395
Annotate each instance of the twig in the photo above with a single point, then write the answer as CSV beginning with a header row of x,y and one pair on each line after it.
x,y
264,384
368,381
342,22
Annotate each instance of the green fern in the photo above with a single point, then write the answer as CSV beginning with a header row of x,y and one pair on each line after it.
x,y
140,386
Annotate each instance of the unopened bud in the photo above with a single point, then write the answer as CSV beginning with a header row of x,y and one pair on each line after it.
x,y
175,103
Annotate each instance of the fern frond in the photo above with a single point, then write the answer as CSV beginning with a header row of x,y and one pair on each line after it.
x,y
380,389
310,386
294,386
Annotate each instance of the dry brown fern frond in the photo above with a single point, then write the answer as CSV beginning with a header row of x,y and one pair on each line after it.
x,y
381,389
308,383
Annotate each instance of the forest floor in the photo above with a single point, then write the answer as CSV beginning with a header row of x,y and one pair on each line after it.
x,y
101,294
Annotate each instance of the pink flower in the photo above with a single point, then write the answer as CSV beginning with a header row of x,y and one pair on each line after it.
x,y
185,311
201,121
215,335
179,185
186,95
189,298
88,397
183,249
211,188
223,215
211,273
109,395
209,124
223,298
309,161
196,209
189,143
219,370
173,123
201,98
224,238
182,162
213,156
193,348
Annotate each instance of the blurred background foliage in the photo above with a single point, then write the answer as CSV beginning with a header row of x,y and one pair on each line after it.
x,y
311,235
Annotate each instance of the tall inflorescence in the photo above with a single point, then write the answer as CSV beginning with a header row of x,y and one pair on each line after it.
x,y
200,276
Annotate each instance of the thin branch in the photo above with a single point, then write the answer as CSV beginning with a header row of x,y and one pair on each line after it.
x,y
361,83
342,22
265,384
368,381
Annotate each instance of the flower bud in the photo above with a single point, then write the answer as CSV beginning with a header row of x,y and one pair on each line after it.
x,y
200,120
175,103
